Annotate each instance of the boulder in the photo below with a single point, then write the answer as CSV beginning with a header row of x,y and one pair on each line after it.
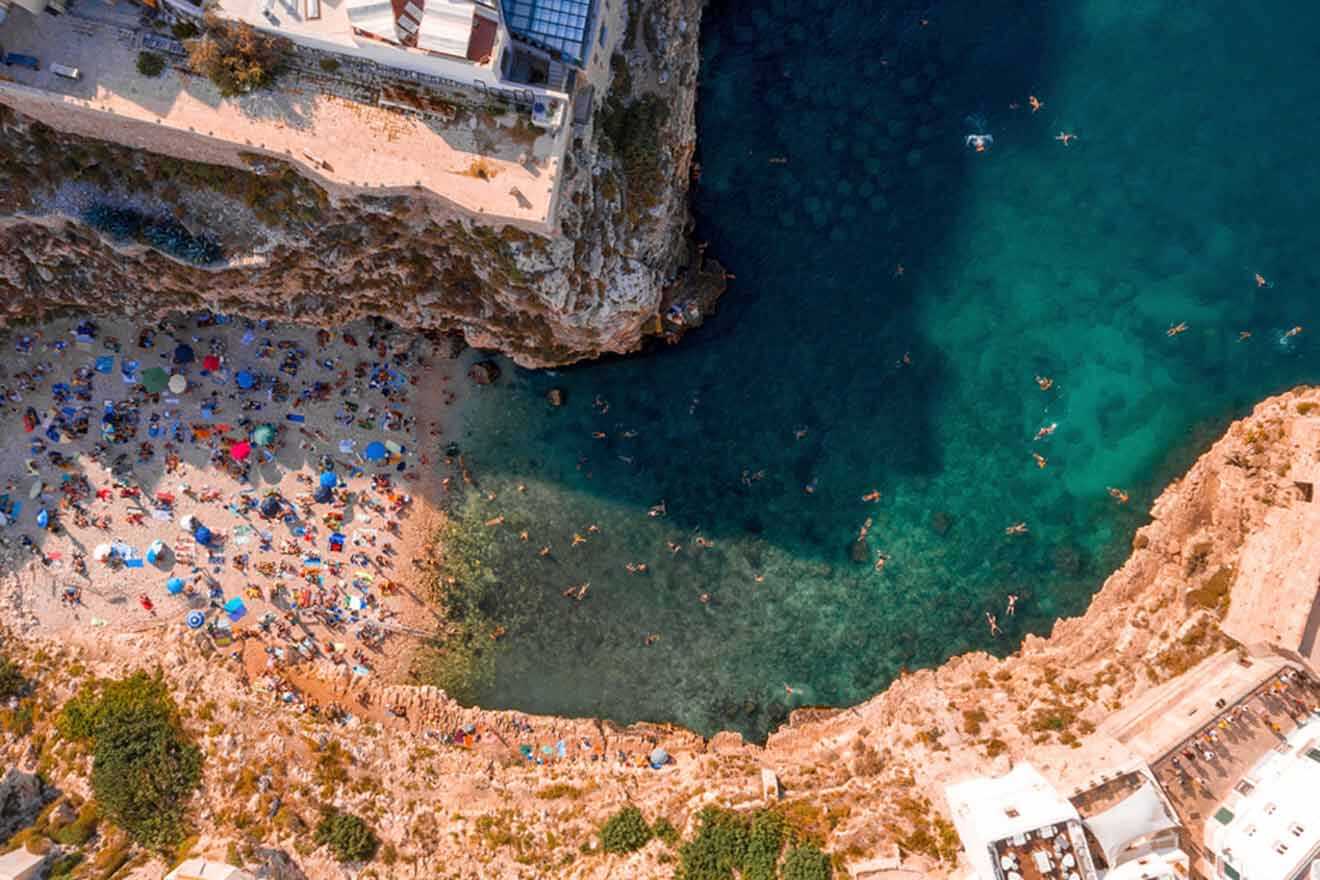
x,y
484,372
555,396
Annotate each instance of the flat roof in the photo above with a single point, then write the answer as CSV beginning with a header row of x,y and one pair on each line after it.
x,y
1268,827
563,26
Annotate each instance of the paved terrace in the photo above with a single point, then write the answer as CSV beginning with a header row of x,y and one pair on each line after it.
x,y
1200,770
341,139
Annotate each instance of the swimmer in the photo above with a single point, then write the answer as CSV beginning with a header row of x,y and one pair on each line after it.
x,y
872,496
544,551
1118,495
706,543
1261,282
1244,335
1293,332
993,622
788,689
601,404
651,639
522,487
576,591
800,432
1175,329
979,142
1045,383
657,510
636,568
578,539
810,488
880,559
899,270
630,433
704,598
778,160
593,529
1035,103
1041,461
865,529
598,435
1017,528
674,547
1047,430
758,578
1012,604
1065,137
523,536
496,521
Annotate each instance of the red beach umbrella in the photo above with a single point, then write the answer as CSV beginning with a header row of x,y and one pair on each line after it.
x,y
211,363
240,450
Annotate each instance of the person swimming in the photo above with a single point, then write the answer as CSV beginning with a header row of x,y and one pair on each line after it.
x,y
993,622
1118,495
1035,103
1047,430
1175,329
1045,383
872,496
1017,528
1065,137
1012,604
657,510
980,143
1041,461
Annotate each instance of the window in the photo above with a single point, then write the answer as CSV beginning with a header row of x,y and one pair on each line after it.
x,y
1224,816
1244,787
1280,847
1230,873
1313,754
1296,829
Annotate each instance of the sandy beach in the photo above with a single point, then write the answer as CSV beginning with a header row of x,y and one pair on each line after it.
x,y
270,495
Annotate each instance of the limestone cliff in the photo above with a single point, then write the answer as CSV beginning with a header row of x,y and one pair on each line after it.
x,y
865,781
295,251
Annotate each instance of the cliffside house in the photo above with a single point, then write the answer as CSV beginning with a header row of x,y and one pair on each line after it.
x,y
1017,827
1268,826
21,865
201,869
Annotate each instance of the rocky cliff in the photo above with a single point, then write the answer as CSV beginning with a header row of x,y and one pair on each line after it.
x,y
864,781
94,226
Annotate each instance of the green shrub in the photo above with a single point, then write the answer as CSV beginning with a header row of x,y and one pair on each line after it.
x,y
12,682
144,767
81,829
348,836
184,30
665,831
150,64
764,843
624,832
329,65
63,867
719,848
806,862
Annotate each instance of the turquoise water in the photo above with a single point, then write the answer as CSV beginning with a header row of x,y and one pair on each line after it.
x,y
1192,170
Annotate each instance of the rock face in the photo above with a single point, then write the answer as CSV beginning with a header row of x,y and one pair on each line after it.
x,y
866,780
292,251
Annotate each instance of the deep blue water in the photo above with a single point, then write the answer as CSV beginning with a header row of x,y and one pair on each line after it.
x,y
1192,170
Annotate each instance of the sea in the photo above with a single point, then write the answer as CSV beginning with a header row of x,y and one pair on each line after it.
x,y
940,377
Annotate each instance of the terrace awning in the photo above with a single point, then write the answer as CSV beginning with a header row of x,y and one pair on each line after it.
x,y
373,17
1139,815
446,26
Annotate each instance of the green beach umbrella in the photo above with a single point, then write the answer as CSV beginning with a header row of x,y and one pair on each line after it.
x,y
154,379
263,435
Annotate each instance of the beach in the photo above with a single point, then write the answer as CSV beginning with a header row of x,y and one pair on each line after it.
x,y
264,485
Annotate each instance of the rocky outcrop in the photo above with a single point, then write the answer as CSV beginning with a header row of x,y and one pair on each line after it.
x,y
866,780
290,250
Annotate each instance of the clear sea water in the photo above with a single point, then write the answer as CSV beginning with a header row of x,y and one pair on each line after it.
x,y
1194,167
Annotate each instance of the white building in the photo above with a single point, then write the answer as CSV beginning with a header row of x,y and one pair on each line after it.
x,y
201,869
1268,828
20,864
1017,827
1141,830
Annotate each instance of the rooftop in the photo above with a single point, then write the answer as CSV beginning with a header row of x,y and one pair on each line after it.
x,y
201,869
562,26
1268,825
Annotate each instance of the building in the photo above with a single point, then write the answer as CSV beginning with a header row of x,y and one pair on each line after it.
x,y
1017,827
201,869
1139,835
1268,827
21,865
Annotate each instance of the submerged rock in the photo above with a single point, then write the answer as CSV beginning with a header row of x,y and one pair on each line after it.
x,y
484,372
555,396
941,522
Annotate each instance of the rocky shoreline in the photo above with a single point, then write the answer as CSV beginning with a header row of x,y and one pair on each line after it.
x,y
865,781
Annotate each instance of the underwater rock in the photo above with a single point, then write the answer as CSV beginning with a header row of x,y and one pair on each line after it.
x,y
941,522
1068,560
858,551
555,396
484,372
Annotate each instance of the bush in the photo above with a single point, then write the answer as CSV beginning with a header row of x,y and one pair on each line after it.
x,y
329,65
624,832
236,56
12,682
665,831
348,836
150,64
144,767
184,30
81,829
764,843
806,862
719,848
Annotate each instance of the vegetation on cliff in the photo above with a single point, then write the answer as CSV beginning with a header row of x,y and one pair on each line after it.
x,y
144,766
349,837
236,56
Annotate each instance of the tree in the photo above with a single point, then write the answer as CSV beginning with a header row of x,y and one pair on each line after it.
x,y
150,64
348,836
236,56
807,862
624,832
144,766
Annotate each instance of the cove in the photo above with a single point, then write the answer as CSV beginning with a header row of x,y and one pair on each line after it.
x,y
830,368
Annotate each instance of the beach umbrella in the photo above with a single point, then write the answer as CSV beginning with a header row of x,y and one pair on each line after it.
x,y
183,354
375,451
244,379
174,586
210,363
43,518
188,523
329,480
240,450
178,383
323,495
154,379
202,535
270,506
659,757
263,435
235,608
154,549
195,619
102,552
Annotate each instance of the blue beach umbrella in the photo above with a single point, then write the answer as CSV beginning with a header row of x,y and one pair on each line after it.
x,y
202,535
235,608
174,586
43,518
195,619
329,480
244,379
375,451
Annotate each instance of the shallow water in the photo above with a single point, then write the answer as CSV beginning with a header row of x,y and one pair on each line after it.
x,y
1191,172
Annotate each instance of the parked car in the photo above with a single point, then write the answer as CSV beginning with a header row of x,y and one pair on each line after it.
x,y
12,58
66,71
